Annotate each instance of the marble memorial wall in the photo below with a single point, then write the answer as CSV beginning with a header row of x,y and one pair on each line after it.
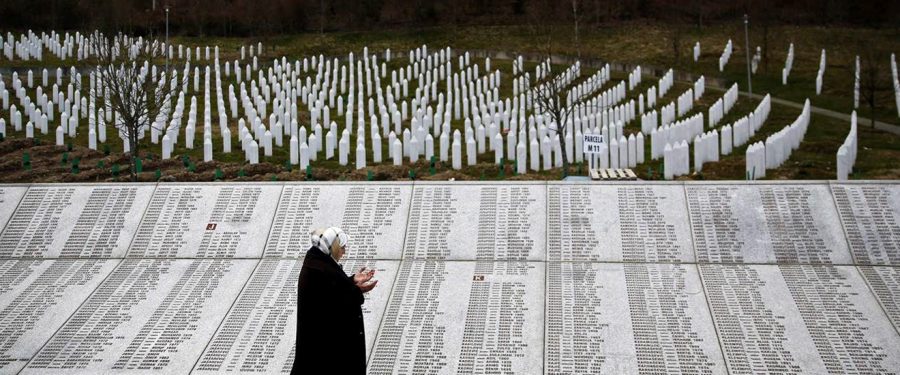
x,y
375,215
799,319
618,223
36,298
206,221
244,341
871,217
10,195
780,223
449,317
481,278
615,318
80,221
476,222
149,315
885,284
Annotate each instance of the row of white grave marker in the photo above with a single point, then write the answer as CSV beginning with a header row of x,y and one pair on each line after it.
x,y
675,139
706,149
665,83
739,133
820,75
726,55
780,145
756,161
677,160
415,143
846,155
667,114
684,102
777,147
41,113
418,144
757,57
634,77
896,82
788,65
856,80
30,46
66,127
674,148
683,130
723,105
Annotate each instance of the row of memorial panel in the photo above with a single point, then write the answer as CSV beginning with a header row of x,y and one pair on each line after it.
x,y
807,223
177,316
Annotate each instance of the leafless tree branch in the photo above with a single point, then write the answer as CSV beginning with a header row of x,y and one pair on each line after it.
x,y
125,85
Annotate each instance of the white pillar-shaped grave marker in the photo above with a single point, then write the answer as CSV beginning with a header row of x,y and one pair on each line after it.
x,y
360,155
294,150
397,152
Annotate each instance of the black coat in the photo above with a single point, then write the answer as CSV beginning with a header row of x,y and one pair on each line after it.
x,y
330,331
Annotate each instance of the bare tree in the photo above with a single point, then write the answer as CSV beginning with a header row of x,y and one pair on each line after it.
x,y
127,88
549,101
763,14
675,16
321,17
676,31
575,17
874,84
548,91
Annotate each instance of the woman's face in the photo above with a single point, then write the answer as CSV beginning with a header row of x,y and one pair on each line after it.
x,y
337,252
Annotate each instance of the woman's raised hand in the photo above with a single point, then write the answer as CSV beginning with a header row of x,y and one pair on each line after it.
x,y
363,278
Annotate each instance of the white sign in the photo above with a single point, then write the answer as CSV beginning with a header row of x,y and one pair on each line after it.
x,y
592,143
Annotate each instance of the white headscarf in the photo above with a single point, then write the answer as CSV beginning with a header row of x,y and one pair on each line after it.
x,y
327,238
314,236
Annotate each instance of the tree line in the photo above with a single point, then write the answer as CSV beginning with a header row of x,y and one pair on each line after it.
x,y
254,17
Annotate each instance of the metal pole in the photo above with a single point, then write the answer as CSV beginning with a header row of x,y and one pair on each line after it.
x,y
166,50
747,47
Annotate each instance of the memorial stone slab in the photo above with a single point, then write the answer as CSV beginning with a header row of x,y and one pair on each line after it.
x,y
374,215
870,213
605,318
36,298
765,223
812,319
608,222
148,316
474,277
477,222
885,284
448,317
87,221
259,333
10,195
206,221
